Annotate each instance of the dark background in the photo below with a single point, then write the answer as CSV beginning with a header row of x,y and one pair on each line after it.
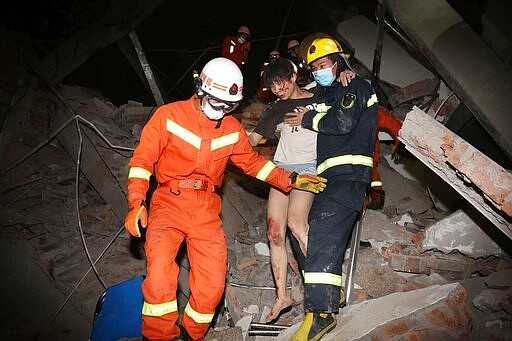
x,y
177,37
180,36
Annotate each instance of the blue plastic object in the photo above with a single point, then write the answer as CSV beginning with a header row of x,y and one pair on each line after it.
x,y
119,312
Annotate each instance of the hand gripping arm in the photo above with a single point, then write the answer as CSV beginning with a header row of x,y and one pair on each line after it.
x,y
308,182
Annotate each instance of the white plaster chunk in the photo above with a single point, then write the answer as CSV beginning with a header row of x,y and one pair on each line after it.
x,y
380,231
459,232
262,249
404,219
252,309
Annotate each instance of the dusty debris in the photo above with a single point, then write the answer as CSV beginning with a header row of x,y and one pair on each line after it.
x,y
434,312
55,235
460,232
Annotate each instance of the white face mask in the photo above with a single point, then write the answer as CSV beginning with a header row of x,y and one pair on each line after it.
x,y
210,112
324,77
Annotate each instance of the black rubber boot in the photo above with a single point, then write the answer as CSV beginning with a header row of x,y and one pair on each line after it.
x,y
183,336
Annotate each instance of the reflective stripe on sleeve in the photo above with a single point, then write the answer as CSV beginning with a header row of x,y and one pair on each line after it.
x,y
139,172
361,160
225,140
372,100
321,107
376,184
159,309
197,316
316,120
322,278
265,171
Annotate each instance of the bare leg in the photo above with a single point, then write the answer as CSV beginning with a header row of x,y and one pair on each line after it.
x,y
276,233
298,210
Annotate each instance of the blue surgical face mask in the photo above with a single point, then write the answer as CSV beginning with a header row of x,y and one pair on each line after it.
x,y
324,77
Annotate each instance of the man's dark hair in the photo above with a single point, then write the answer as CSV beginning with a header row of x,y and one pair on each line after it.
x,y
277,70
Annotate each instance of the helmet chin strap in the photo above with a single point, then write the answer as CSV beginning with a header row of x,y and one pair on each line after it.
x,y
343,64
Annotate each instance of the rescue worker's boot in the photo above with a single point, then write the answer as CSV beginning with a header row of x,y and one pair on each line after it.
x,y
183,336
376,198
314,326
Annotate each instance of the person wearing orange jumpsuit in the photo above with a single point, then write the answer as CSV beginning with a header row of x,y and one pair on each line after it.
x,y
236,47
387,122
187,145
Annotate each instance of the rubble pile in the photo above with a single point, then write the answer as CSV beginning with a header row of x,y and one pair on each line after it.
x,y
410,251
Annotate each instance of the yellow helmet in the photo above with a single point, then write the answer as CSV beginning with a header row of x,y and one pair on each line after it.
x,y
322,47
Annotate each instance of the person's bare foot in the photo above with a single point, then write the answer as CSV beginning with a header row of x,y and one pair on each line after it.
x,y
280,304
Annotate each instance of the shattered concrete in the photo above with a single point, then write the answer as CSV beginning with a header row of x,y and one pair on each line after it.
x,y
436,312
459,232
409,282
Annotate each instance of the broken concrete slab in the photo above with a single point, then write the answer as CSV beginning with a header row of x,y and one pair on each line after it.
x,y
480,180
460,232
500,279
453,266
441,34
381,232
493,300
403,193
374,275
435,312
361,34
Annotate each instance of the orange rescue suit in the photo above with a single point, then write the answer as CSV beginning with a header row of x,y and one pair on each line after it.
x,y
233,49
188,154
385,121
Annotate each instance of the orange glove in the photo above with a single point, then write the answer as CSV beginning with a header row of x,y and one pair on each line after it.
x,y
308,182
136,212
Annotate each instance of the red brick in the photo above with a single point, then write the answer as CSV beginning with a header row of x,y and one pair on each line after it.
x,y
439,317
395,328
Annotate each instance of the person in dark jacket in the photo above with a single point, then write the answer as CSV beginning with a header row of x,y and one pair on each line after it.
x,y
346,122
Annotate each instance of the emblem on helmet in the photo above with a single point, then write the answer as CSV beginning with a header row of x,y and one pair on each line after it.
x,y
233,90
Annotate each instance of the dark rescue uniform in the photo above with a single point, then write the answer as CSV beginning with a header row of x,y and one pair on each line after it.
x,y
347,126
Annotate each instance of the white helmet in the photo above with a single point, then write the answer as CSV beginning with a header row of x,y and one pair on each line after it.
x,y
222,79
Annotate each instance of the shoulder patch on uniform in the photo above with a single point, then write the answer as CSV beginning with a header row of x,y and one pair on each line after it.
x,y
348,101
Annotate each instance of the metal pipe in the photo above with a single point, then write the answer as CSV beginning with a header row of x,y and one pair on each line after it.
x,y
354,247
269,326
263,332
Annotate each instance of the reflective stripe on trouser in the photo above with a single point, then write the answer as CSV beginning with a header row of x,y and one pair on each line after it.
x,y
330,227
195,215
